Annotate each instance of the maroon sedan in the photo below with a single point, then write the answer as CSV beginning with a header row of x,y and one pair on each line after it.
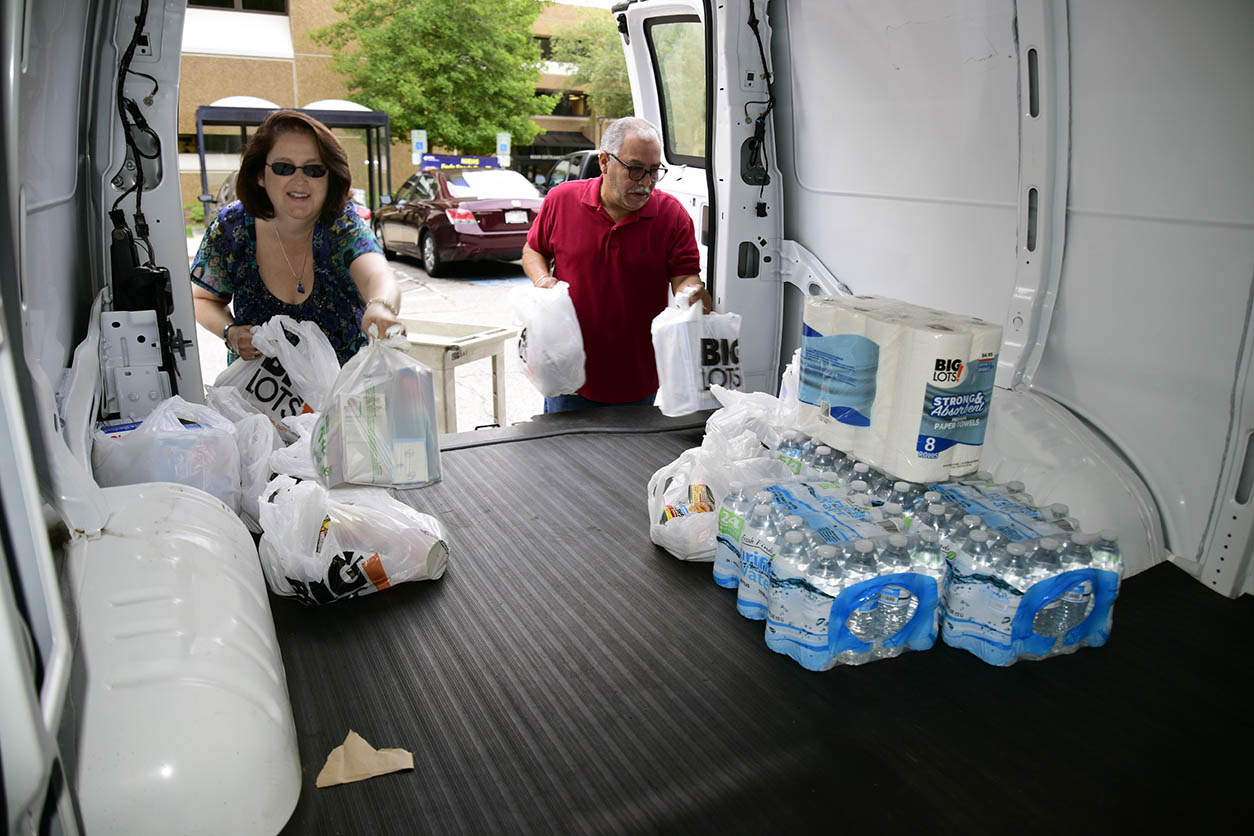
x,y
458,214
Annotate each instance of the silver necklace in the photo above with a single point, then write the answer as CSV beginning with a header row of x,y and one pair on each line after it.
x,y
300,286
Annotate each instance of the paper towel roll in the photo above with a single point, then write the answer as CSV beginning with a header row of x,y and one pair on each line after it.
x,y
888,328
912,449
837,370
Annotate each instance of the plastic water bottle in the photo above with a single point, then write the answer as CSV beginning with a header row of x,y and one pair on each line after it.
x,y
1075,602
824,460
862,473
1057,511
795,522
844,470
977,555
1106,554
785,608
1015,567
926,555
789,451
824,579
1068,524
731,520
860,566
1046,564
897,604
757,547
902,494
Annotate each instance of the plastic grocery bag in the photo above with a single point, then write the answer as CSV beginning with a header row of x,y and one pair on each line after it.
x,y
322,545
379,427
551,346
296,459
677,352
720,355
162,448
256,438
684,495
295,373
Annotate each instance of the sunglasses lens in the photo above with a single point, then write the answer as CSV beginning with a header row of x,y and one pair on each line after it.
x,y
282,169
315,170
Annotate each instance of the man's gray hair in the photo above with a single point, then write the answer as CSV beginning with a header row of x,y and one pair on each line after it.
x,y
618,131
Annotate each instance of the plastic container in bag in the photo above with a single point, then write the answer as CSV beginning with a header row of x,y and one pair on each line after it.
x,y
181,442
379,427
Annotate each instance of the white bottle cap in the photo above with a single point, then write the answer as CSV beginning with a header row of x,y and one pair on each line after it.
x,y
901,487
1109,534
795,521
1059,509
932,496
897,541
864,546
927,535
794,536
1049,543
892,509
1017,549
824,450
971,521
764,496
826,552
861,467
979,536
858,486
1015,487
936,508
761,511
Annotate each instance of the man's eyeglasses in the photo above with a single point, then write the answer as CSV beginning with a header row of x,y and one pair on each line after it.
x,y
284,169
637,172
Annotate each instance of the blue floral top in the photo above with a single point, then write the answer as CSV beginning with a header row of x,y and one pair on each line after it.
x,y
226,265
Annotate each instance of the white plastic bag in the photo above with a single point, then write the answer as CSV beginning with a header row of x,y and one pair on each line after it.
x,y
201,454
257,439
379,427
295,459
551,346
677,351
322,545
683,498
295,373
720,355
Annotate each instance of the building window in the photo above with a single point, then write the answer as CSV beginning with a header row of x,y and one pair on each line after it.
x,y
274,6
571,104
546,48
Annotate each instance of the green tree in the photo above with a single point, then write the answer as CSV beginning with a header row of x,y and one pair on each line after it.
x,y
595,48
459,69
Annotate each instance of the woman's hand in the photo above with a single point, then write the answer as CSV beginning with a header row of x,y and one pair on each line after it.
x,y
239,338
379,314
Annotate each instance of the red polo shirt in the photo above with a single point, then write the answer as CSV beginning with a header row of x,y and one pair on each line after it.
x,y
618,274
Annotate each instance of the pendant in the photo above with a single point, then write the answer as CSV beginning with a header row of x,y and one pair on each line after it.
x,y
300,287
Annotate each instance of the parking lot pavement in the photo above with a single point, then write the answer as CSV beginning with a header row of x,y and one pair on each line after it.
x,y
476,293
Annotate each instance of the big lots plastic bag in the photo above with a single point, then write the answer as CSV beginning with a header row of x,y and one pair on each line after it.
x,y
295,373
201,453
379,427
322,545
257,439
677,351
684,495
720,355
551,346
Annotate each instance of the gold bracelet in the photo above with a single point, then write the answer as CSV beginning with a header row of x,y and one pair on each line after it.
x,y
385,303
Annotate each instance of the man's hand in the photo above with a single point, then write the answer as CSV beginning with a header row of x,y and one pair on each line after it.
x,y
682,283
544,281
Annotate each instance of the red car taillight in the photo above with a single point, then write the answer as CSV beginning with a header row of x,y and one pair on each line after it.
x,y
460,216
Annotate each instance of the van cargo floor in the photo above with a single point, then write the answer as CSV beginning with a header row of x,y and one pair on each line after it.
x,y
566,676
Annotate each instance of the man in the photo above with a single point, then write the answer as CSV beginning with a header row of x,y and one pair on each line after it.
x,y
620,246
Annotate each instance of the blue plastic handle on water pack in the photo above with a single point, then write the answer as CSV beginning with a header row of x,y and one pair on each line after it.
x,y
1105,588
919,632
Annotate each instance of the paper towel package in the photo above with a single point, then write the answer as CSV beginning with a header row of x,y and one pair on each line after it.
x,y
901,387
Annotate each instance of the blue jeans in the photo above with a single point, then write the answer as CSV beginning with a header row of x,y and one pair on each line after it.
x,y
566,403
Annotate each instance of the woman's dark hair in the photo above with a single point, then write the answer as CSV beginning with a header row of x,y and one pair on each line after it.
x,y
253,195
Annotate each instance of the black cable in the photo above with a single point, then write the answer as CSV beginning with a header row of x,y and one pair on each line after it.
x,y
124,68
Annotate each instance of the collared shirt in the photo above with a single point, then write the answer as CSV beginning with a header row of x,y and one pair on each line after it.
x,y
619,274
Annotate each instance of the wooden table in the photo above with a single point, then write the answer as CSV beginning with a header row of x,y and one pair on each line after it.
x,y
443,346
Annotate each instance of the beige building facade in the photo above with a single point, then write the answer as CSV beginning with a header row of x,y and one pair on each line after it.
x,y
254,52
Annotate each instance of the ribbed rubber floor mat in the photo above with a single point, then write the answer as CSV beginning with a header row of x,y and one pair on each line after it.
x,y
566,676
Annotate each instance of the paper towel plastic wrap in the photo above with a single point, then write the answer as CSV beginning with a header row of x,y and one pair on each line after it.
x,y
902,387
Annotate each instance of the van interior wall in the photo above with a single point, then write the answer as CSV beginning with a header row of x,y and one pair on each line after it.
x,y
899,147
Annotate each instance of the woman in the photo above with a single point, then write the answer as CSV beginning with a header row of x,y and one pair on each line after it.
x,y
292,244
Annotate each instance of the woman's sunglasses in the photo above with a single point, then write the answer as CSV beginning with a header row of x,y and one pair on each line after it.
x,y
284,169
